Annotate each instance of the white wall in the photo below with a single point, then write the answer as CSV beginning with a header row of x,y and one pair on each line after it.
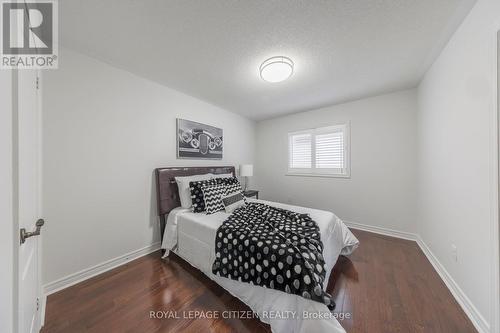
x,y
7,264
105,130
456,143
381,190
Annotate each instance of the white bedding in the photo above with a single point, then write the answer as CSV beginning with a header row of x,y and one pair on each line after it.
x,y
192,237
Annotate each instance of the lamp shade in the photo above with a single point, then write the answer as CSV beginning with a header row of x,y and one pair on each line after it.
x,y
246,170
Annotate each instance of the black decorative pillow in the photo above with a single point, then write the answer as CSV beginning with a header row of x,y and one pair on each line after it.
x,y
197,198
229,181
213,197
196,189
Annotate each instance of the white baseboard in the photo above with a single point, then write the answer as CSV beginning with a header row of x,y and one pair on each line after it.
x,y
382,231
465,303
87,273
470,310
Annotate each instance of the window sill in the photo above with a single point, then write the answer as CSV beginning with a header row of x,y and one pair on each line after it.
x,y
325,175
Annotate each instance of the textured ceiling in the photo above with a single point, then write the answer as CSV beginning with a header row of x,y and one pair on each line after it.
x,y
342,49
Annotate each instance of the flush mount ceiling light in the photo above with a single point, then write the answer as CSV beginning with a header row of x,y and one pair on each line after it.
x,y
276,69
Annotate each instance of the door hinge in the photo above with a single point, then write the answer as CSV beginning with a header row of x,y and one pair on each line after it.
x,y
37,83
37,304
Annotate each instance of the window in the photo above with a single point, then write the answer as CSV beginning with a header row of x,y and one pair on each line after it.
x,y
319,152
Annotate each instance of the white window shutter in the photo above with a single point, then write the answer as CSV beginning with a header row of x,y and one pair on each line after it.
x,y
320,151
300,151
330,150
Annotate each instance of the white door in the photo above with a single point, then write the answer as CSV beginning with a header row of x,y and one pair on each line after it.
x,y
29,210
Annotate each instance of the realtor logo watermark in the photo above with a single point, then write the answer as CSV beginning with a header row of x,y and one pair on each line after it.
x,y
29,34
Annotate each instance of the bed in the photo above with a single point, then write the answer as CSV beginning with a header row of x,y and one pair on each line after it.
x,y
192,237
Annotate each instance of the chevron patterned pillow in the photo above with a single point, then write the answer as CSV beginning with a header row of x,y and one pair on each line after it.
x,y
233,188
213,197
196,189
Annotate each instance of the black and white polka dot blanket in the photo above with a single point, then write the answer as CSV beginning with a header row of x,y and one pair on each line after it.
x,y
273,248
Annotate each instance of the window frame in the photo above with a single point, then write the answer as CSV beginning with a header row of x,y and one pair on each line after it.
x,y
322,172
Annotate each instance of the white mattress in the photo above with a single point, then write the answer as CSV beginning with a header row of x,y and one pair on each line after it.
x,y
192,237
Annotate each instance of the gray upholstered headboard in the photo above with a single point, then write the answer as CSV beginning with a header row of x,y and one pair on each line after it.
x,y
167,193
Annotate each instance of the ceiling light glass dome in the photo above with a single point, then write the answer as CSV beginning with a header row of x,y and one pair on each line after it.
x,y
276,69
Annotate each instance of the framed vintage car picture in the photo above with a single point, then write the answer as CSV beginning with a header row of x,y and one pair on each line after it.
x,y
198,141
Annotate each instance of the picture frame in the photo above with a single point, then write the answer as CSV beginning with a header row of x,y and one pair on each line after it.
x,y
199,141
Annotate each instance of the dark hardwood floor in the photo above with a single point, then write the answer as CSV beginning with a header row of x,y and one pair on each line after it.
x,y
387,285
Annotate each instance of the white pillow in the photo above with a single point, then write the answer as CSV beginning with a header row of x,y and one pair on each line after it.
x,y
223,175
183,185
